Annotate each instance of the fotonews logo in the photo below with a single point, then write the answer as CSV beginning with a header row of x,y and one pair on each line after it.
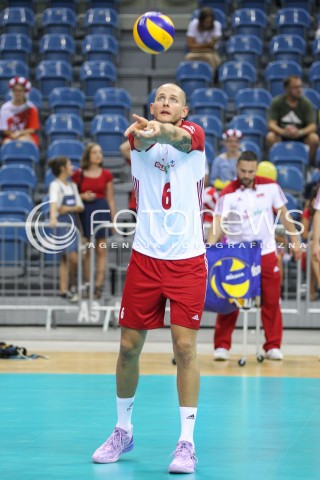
x,y
46,238
230,278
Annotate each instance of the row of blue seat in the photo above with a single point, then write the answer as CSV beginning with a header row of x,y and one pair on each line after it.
x,y
59,46
59,20
226,5
50,74
255,21
234,76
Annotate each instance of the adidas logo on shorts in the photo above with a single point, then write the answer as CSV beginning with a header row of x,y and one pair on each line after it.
x,y
195,317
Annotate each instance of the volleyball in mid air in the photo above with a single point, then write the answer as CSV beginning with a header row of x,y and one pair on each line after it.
x,y
153,32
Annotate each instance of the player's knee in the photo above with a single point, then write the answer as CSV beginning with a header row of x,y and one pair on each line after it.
x,y
312,140
184,350
128,350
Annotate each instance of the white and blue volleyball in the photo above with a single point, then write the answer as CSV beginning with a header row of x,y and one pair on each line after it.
x,y
154,32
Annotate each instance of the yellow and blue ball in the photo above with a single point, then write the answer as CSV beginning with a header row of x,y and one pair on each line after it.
x,y
153,32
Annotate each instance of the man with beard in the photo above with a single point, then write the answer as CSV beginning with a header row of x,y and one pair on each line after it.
x,y
245,213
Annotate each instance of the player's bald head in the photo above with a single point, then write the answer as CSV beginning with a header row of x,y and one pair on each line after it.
x,y
172,87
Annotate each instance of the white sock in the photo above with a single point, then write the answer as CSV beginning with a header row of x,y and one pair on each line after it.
x,y
124,409
188,417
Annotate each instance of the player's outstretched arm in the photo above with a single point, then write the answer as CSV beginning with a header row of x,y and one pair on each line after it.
x,y
147,132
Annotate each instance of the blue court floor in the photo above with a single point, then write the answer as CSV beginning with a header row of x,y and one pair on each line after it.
x,y
248,428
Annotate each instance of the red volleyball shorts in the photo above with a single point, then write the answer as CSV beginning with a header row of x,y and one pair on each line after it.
x,y
151,281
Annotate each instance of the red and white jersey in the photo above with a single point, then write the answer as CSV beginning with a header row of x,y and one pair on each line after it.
x,y
19,117
169,190
249,212
210,198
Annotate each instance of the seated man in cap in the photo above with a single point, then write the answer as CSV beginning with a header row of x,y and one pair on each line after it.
x,y
19,119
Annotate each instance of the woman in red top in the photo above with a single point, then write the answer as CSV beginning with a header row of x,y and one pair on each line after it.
x,y
95,185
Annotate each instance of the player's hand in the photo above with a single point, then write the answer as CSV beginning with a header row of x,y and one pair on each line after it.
x,y
143,128
296,251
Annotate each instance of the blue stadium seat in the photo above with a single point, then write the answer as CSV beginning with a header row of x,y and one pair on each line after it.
x,y
290,178
277,71
20,178
193,75
253,127
9,69
314,76
72,149
251,146
316,48
253,101
223,5
112,100
15,46
287,47
59,20
293,21
108,131
209,153
236,75
66,100
292,205
35,96
290,153
18,152
101,20
212,127
313,96
103,3
17,204
249,21
95,75
305,4
245,48
219,15
64,126
212,101
13,246
17,20
48,178
51,74
255,4
57,46
72,4
100,46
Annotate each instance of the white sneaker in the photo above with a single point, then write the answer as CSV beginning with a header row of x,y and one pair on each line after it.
x,y
274,354
221,354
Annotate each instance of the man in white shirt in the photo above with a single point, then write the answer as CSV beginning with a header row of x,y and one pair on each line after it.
x,y
203,37
168,262
245,212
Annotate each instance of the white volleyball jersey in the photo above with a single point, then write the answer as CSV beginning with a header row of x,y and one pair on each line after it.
x,y
249,212
169,190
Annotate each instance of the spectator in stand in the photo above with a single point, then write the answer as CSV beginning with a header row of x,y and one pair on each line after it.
x,y
65,203
307,220
292,117
224,165
248,199
203,37
95,185
19,119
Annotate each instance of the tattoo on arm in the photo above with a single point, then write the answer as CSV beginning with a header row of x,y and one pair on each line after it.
x,y
183,144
